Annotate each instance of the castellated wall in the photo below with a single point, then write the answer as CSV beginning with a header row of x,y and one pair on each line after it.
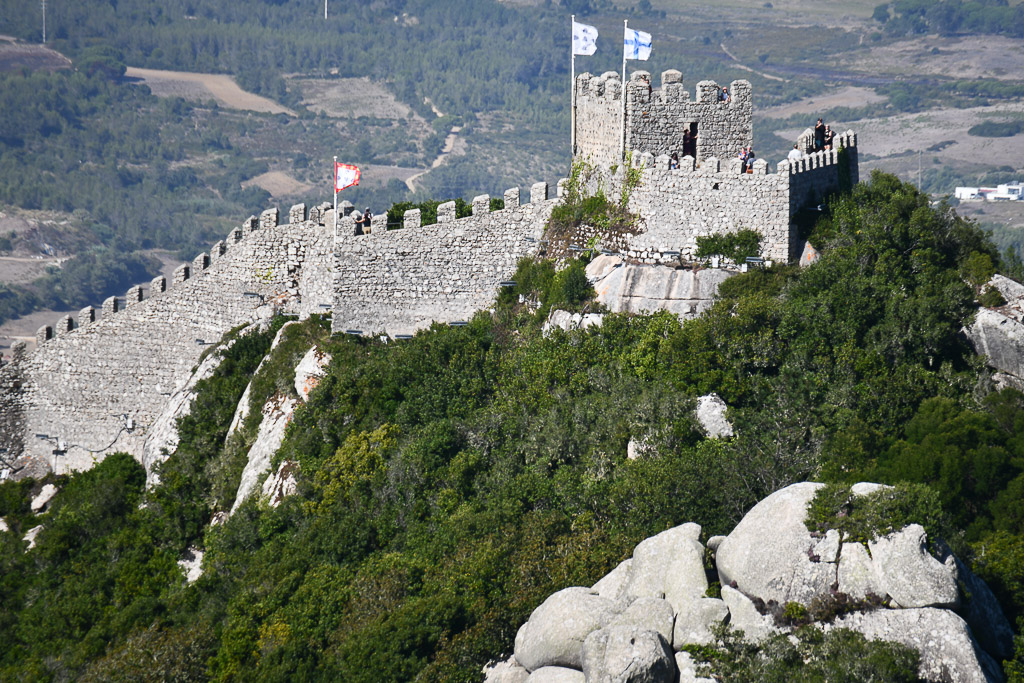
x,y
656,118
400,281
127,358
679,205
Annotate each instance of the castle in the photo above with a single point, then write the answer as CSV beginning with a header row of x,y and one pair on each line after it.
x,y
106,381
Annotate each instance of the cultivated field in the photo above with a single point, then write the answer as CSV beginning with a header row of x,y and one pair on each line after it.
x,y
350,98
996,57
202,87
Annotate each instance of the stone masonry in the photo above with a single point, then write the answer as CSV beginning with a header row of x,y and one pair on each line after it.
x,y
400,281
85,381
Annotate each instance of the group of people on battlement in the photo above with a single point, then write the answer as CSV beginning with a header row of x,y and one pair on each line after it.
x,y
824,136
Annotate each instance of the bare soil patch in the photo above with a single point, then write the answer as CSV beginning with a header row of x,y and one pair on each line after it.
x,y
195,86
16,55
19,270
279,184
850,96
350,98
997,57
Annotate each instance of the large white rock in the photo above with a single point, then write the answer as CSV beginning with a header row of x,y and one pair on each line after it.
x,y
999,337
556,674
31,535
555,632
688,669
308,372
1013,292
3,525
507,671
694,622
564,320
281,483
44,497
192,564
710,413
670,564
614,582
744,616
243,407
627,654
634,288
908,573
277,413
648,614
857,575
948,651
767,554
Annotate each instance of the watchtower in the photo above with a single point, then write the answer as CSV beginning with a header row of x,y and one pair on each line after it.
x,y
657,118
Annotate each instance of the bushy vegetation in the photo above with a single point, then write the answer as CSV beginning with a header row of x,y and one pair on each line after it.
x,y
996,129
736,246
450,482
949,17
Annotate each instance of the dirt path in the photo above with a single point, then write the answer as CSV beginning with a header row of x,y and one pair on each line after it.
x,y
747,68
204,86
449,145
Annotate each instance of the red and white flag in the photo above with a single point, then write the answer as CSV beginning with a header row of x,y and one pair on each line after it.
x,y
345,175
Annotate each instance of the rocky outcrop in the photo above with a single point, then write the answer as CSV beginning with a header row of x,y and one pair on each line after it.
x,y
948,650
626,626
43,498
564,320
633,288
998,333
30,536
3,525
767,556
627,654
277,413
308,372
281,483
192,564
710,414
556,630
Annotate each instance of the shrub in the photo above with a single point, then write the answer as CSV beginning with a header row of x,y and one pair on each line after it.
x,y
735,246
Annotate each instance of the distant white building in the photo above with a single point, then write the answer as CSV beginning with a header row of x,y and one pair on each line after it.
x,y
1009,192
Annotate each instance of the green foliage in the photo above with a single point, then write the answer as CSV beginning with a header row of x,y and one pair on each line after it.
x,y
866,518
735,246
841,655
991,298
584,203
993,129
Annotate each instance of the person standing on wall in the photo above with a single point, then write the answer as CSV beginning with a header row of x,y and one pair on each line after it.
x,y
819,136
367,219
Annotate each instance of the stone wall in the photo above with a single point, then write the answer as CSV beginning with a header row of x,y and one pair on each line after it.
x,y
399,281
677,206
656,118
88,377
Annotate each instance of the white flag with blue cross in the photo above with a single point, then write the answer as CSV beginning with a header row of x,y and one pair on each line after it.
x,y
584,39
637,45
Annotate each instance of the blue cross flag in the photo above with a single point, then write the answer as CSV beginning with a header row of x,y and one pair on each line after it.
x,y
637,45
584,39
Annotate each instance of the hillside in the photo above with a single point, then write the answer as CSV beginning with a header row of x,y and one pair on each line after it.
x,y
444,485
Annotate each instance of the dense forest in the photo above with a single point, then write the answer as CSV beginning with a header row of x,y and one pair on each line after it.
x,y
949,17
448,483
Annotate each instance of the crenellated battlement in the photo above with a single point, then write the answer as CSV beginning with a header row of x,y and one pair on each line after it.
x,y
658,119
183,273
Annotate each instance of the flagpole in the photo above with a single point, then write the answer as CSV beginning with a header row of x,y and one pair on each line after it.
x,y
335,199
622,132
572,59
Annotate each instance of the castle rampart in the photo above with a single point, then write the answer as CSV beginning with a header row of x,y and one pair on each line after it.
x,y
399,281
83,383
